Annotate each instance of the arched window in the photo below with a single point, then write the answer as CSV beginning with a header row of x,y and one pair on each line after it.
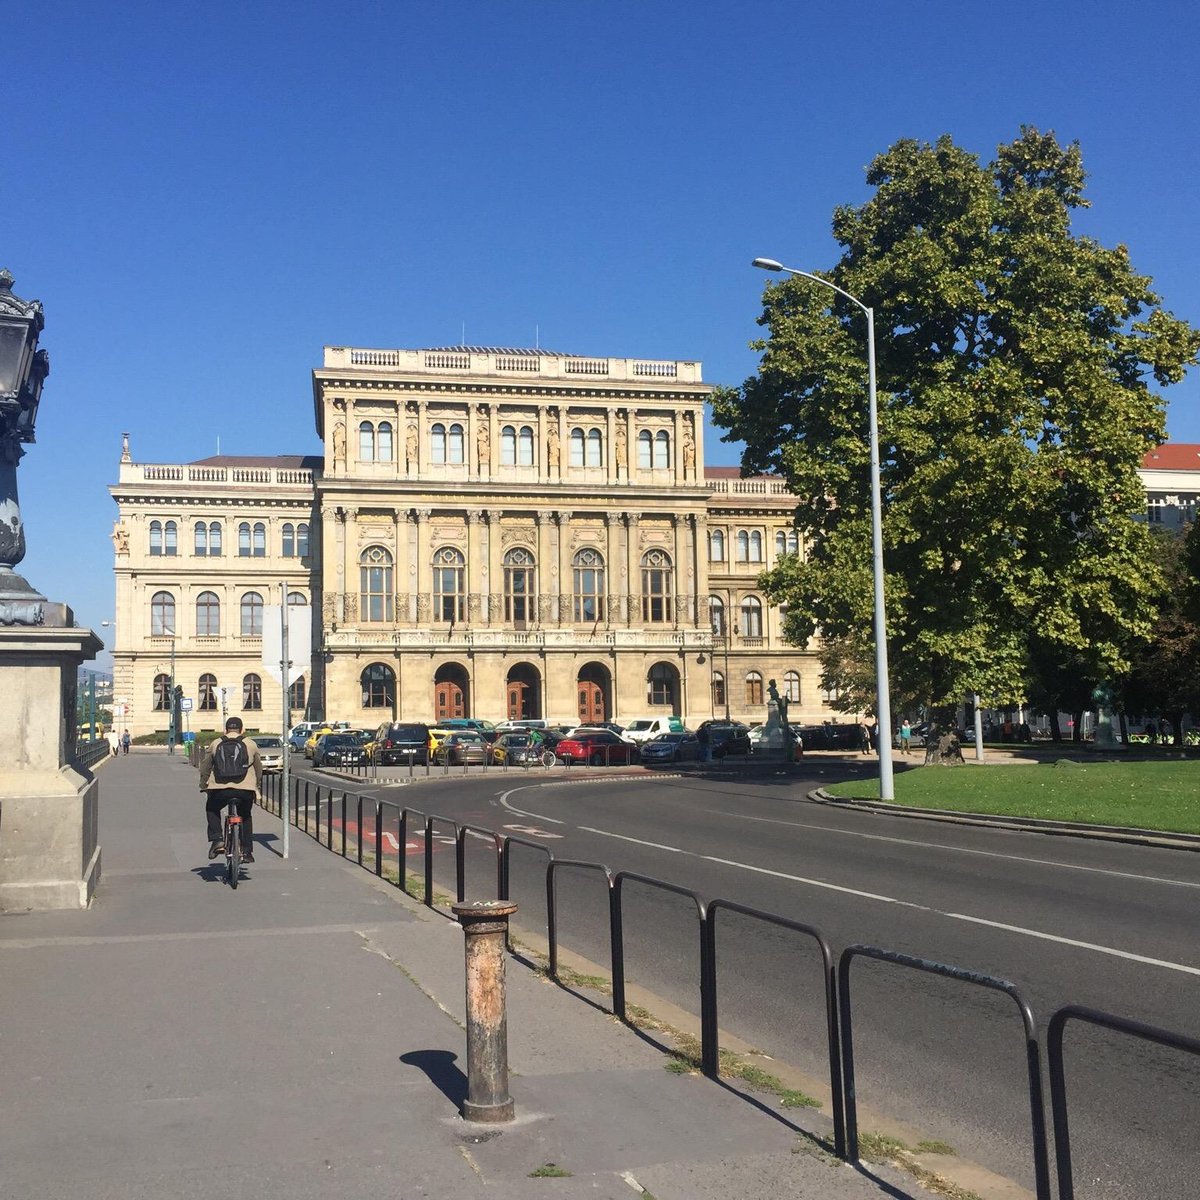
x,y
375,585
214,539
756,553
743,546
297,599
260,540
162,693
208,615
244,540
718,691
716,546
252,691
378,686
576,448
366,442
589,585
456,455
437,444
449,575
508,446
657,586
754,688
829,695
156,537
297,693
780,543
519,585
162,615
302,540
793,542
752,616
383,445
716,611
662,685
662,450
252,615
200,546
525,447
289,540
645,450
595,448
208,693
170,538
791,686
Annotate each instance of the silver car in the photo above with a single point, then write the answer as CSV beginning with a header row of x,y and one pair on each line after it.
x,y
270,750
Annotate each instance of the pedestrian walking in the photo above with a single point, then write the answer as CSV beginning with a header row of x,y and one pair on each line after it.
x,y
905,736
125,742
864,739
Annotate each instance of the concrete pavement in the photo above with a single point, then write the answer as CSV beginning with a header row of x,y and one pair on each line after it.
x,y
303,1037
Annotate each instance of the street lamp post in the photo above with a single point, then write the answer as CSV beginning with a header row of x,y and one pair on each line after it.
x,y
883,704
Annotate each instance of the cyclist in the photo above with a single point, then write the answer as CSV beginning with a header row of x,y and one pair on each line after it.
x,y
235,768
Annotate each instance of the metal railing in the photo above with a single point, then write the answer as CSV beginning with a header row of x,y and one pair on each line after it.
x,y
836,991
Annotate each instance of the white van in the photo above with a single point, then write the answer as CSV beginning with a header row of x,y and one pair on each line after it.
x,y
645,728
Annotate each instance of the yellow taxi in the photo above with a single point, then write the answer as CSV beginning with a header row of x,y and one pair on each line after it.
x,y
437,735
329,727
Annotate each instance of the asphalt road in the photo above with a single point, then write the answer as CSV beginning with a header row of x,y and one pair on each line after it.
x,y
1109,926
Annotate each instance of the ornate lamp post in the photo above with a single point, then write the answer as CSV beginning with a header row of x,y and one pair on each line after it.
x,y
23,370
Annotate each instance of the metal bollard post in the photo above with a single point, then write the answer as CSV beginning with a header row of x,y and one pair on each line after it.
x,y
485,930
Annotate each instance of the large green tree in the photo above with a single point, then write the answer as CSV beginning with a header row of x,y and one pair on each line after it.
x,y
1018,365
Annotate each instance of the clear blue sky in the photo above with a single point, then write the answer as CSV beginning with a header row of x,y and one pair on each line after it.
x,y
205,195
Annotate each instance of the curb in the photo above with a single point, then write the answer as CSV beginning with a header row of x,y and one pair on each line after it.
x,y
1108,833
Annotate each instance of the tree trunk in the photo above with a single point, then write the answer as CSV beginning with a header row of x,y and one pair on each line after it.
x,y
1077,734
1055,732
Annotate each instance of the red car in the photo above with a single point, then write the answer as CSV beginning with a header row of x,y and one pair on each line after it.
x,y
599,747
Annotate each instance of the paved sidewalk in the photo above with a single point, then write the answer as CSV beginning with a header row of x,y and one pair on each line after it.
x,y
302,1037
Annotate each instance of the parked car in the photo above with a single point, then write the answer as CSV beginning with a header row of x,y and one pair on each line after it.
x,y
725,737
832,735
671,747
516,749
486,729
310,742
270,751
338,749
462,746
399,741
644,728
600,747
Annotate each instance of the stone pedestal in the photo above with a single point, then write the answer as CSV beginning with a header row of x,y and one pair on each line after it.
x,y
774,736
49,850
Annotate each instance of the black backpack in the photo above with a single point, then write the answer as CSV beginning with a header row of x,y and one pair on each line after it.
x,y
231,760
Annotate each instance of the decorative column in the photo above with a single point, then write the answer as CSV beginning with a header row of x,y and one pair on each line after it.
x,y
563,583
476,596
486,537
632,570
610,448
495,550
700,577
401,557
421,604
544,558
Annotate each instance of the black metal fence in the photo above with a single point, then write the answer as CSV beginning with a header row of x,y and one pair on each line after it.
x,y
835,972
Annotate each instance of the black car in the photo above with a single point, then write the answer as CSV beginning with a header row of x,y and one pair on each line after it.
x,y
725,737
338,749
402,742
830,735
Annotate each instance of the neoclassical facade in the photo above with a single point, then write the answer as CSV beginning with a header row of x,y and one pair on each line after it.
x,y
489,532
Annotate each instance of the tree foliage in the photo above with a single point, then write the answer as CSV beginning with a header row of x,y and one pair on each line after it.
x,y
1018,363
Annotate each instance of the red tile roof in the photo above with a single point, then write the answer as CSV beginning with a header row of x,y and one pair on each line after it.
x,y
1174,456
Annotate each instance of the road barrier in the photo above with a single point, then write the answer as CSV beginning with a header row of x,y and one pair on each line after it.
x,y
839,1016
1058,1079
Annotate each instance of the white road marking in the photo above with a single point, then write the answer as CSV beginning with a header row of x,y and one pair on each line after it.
x,y
820,883
1053,937
899,841
503,798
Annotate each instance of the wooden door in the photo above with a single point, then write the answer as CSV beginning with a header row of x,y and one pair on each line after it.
x,y
448,701
518,701
591,703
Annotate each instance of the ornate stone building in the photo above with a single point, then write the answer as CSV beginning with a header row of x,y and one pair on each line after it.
x,y
496,533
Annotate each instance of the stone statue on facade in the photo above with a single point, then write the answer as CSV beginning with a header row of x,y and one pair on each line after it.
x,y
411,448
339,444
622,446
483,443
552,443
689,448
120,537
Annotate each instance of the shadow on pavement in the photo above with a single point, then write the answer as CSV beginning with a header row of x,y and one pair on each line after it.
x,y
441,1067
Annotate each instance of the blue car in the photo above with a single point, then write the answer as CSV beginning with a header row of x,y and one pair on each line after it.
x,y
671,748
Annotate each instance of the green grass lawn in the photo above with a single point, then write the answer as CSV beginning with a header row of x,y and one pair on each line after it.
x,y
1147,795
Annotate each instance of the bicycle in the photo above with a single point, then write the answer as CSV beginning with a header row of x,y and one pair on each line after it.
x,y
233,848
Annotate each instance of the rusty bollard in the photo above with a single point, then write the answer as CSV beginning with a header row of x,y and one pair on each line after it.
x,y
485,925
